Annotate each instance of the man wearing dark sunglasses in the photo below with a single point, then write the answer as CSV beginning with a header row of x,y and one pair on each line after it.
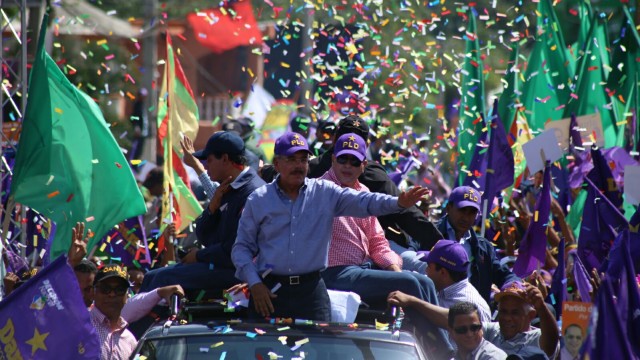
x,y
110,294
465,328
409,228
360,258
518,304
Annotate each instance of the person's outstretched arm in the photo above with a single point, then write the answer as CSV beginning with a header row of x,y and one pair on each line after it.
x,y
434,313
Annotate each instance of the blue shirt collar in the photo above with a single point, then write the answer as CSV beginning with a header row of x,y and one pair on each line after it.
x,y
242,178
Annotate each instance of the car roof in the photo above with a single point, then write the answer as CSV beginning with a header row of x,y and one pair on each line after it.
x,y
235,328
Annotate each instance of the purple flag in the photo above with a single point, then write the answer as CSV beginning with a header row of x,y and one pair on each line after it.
x,y
616,156
408,164
602,178
558,292
575,143
500,167
10,157
15,263
581,278
607,336
601,222
128,244
634,222
628,295
580,171
617,254
39,230
45,318
574,135
532,251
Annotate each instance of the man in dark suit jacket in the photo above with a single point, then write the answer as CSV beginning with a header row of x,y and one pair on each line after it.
x,y
462,209
211,267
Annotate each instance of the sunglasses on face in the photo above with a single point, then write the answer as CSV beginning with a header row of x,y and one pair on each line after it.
x,y
348,159
106,290
461,330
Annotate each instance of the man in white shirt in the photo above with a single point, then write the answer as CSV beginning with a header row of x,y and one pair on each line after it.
x,y
448,265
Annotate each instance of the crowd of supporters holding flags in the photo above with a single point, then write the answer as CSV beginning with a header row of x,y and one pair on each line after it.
x,y
498,262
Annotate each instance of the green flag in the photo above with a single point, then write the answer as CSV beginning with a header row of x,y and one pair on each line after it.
x,y
549,70
574,217
68,166
625,71
584,14
472,102
591,95
511,89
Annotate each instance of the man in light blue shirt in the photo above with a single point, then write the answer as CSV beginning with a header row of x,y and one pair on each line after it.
x,y
286,226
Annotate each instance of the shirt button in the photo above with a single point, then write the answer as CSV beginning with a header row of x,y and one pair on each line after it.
x,y
292,251
293,234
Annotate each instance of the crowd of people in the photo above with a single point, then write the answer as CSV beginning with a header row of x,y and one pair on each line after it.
x,y
330,217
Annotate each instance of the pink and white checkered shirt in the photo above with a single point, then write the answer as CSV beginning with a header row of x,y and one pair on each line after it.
x,y
356,240
116,345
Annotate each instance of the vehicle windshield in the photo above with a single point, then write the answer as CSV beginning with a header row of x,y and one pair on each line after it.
x,y
232,347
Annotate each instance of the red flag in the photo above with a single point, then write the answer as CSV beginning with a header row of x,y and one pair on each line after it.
x,y
227,27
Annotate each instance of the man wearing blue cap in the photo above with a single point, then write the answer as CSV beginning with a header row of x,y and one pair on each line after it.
x,y
211,267
286,227
462,210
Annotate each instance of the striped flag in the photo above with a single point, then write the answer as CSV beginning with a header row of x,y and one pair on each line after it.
x,y
177,115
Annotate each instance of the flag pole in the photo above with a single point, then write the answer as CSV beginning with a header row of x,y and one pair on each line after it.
x,y
544,161
489,175
170,220
484,216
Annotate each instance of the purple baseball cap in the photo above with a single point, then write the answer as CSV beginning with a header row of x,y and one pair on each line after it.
x,y
352,144
449,254
290,143
464,196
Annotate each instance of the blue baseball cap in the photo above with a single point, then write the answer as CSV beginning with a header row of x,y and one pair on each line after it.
x,y
222,142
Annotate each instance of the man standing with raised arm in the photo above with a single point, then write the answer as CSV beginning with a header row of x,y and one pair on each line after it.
x,y
286,226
